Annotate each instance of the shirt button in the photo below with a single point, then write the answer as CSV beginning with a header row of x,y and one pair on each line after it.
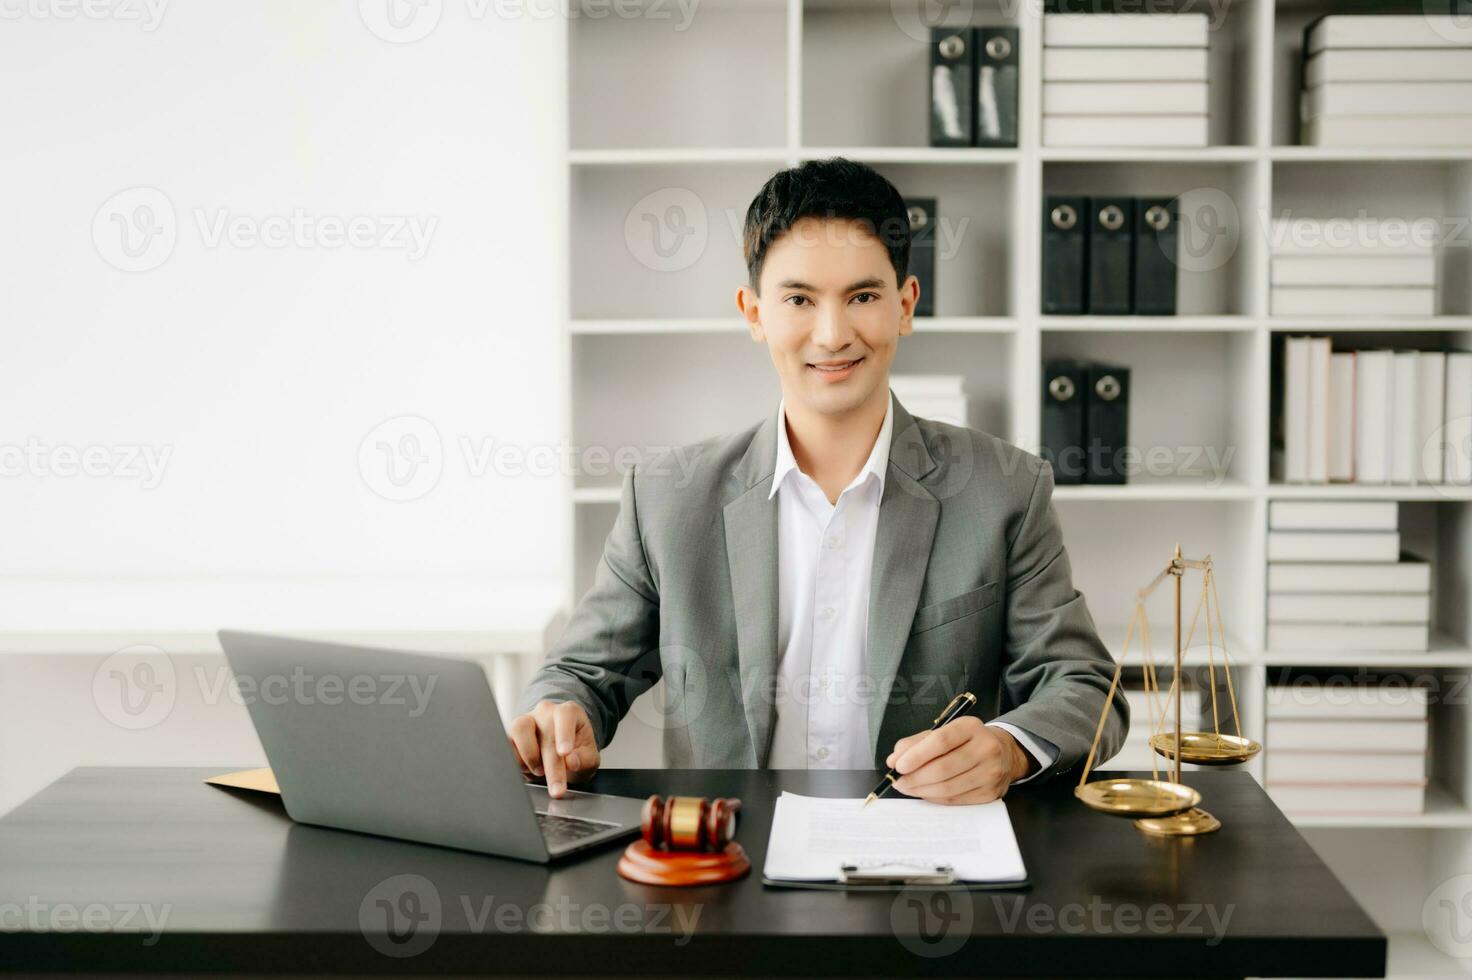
x,y
827,612
822,753
834,542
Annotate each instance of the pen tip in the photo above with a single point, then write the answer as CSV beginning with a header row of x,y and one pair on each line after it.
x,y
867,800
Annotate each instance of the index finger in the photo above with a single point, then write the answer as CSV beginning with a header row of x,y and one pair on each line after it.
x,y
565,718
932,746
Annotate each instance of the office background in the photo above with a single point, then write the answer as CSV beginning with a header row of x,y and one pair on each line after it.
x,y
585,177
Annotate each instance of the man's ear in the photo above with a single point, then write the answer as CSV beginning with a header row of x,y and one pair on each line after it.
x,y
909,297
749,304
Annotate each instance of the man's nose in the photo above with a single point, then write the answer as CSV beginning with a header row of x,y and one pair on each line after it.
x,y
833,331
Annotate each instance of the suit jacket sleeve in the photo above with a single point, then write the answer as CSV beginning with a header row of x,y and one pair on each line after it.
x,y
609,653
1057,669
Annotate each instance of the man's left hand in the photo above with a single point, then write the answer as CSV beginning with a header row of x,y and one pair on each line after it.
x,y
965,761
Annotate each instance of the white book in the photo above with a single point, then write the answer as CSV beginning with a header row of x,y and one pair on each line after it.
x,y
1417,130
1310,699
1318,409
1125,98
1422,30
1387,98
952,410
1380,638
1139,756
1333,515
1345,767
1333,545
1124,130
1288,607
1341,416
1140,30
1446,65
1404,449
1357,735
1310,799
926,384
1430,413
1354,270
1373,382
1457,428
1338,237
1124,65
1406,575
1353,302
1295,409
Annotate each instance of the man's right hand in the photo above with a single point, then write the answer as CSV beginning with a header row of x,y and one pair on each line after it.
x,y
555,739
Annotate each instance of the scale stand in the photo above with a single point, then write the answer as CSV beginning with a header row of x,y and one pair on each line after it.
x,y
1168,808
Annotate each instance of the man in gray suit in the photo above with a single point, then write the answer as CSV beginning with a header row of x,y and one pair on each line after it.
x,y
815,589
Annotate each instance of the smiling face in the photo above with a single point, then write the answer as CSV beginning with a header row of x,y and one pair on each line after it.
x,y
831,313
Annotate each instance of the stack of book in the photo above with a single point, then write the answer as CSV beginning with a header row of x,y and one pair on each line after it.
x,y
1375,416
1354,267
932,396
1136,753
1124,79
1346,749
1387,80
1337,579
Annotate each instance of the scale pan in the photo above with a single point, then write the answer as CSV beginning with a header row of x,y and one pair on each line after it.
x,y
1206,748
1137,797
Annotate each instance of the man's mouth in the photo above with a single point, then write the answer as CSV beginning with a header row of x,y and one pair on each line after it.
x,y
835,367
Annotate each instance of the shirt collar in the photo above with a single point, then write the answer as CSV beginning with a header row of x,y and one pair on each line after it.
x,y
877,463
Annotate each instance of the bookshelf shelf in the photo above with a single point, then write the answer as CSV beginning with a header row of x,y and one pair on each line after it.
x,y
1443,812
657,357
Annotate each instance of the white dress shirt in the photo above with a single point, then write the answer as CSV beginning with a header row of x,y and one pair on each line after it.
x,y
825,553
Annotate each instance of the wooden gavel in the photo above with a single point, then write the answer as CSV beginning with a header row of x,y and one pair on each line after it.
x,y
686,840
689,823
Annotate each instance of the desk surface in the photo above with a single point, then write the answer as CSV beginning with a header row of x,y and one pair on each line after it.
x,y
103,855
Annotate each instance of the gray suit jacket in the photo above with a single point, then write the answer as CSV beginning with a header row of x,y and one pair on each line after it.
x,y
971,590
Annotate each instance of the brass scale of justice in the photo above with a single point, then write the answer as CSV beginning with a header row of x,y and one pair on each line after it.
x,y
1168,808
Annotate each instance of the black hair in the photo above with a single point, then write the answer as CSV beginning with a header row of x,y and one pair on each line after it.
x,y
836,188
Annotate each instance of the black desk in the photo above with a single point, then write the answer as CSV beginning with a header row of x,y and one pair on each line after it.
x,y
241,888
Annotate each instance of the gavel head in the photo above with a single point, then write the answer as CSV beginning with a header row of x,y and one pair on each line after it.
x,y
689,823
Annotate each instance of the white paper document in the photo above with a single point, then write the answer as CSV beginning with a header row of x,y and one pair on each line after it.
x,y
813,837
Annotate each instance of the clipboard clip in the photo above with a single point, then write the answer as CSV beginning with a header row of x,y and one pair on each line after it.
x,y
896,873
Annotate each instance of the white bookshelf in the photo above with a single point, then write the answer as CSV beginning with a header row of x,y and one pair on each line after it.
x,y
750,86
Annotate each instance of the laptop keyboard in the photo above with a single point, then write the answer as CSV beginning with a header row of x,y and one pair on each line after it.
x,y
559,830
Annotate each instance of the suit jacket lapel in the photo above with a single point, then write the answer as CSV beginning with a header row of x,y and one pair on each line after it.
x,y
908,514
751,552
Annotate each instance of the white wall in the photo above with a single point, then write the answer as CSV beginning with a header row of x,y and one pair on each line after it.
x,y
257,375
262,369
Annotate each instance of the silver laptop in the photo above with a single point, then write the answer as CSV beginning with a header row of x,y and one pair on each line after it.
x,y
405,745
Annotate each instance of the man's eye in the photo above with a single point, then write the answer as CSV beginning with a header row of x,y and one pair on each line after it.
x,y
866,297
797,300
